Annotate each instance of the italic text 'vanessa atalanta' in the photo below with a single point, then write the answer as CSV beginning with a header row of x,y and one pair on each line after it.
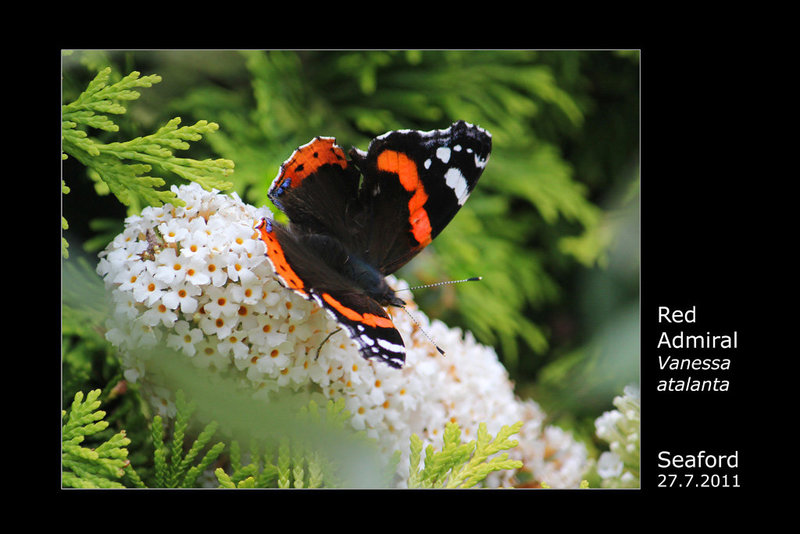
x,y
355,220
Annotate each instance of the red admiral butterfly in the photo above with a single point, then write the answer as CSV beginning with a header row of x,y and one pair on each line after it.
x,y
347,233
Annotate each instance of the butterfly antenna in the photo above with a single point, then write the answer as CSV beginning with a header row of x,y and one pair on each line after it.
x,y
423,331
473,279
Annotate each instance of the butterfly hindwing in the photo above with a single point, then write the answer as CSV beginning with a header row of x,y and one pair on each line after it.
x,y
368,324
300,259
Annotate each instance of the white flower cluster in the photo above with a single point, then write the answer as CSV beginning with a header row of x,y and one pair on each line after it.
x,y
196,278
620,428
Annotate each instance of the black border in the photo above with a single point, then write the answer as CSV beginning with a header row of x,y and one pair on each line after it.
x,y
700,239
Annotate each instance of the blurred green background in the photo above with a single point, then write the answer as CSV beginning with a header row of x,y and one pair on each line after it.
x,y
553,226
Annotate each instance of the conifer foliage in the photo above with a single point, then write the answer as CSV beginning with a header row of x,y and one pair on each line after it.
x,y
91,467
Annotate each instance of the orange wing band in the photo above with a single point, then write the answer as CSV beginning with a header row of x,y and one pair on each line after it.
x,y
310,157
369,319
278,259
406,169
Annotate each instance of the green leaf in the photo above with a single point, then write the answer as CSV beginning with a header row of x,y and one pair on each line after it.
x,y
175,468
98,467
461,465
125,167
295,461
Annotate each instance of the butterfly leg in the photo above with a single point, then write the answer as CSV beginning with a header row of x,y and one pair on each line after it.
x,y
325,341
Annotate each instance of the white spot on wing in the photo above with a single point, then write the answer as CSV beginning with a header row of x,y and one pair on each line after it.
x,y
391,346
443,153
456,181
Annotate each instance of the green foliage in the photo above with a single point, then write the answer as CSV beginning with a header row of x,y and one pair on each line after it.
x,y
97,467
294,462
124,168
288,467
251,475
461,465
179,461
290,464
175,466
87,359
